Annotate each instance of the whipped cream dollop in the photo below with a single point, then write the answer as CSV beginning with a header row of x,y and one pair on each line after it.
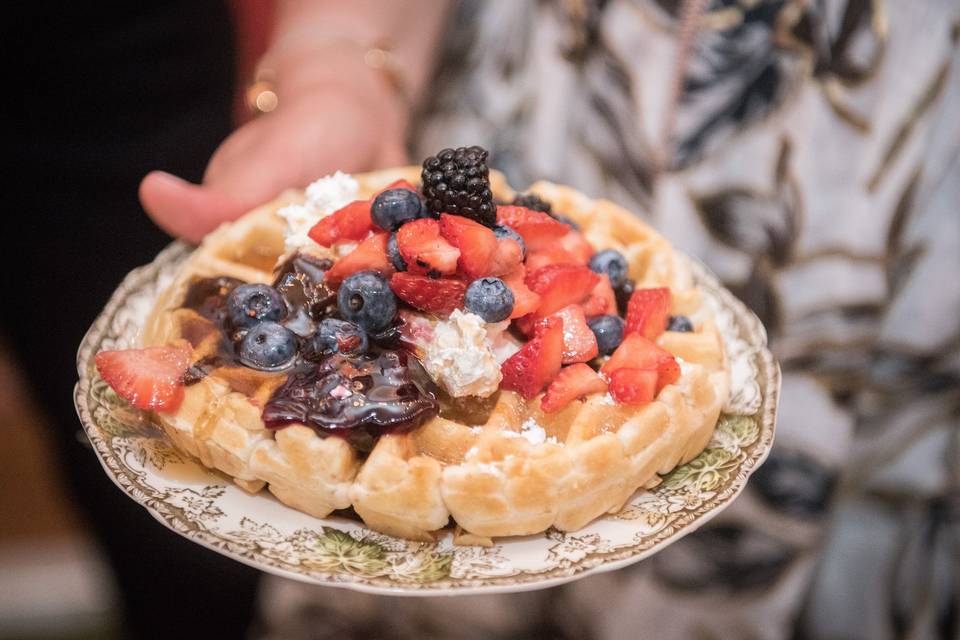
x,y
460,356
323,197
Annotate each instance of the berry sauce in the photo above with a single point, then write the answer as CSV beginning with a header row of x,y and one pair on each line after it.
x,y
359,398
356,398
300,281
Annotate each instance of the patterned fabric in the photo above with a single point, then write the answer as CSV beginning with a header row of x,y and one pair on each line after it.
x,y
809,153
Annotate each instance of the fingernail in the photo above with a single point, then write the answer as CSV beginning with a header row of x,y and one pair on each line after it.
x,y
168,177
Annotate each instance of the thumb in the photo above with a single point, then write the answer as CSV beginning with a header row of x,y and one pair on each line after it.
x,y
183,209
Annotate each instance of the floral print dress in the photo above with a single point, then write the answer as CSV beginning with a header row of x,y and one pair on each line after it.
x,y
808,151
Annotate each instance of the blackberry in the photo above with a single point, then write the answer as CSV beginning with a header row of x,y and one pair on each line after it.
x,y
531,201
457,181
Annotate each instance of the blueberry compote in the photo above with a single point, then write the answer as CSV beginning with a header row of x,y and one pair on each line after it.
x,y
357,398
300,281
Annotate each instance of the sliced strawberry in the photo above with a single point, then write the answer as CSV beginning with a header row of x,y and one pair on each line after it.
x,y
602,300
370,255
639,353
561,284
476,243
149,379
633,386
577,246
539,231
648,312
575,381
424,249
507,257
531,368
668,372
349,224
545,257
396,184
527,325
579,342
438,296
525,301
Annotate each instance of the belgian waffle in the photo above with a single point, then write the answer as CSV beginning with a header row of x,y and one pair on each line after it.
x,y
516,471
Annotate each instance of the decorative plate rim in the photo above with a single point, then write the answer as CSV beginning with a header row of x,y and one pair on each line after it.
x,y
768,376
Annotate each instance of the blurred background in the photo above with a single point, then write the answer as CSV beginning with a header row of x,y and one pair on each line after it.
x,y
807,150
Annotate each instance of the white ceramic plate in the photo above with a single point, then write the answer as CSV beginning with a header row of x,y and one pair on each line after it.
x,y
258,530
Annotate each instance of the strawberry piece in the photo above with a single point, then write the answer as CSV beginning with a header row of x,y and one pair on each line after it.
x,y
668,372
437,296
351,223
370,255
424,249
648,312
476,243
527,325
539,231
525,301
575,381
579,342
602,300
396,184
507,257
633,386
149,379
639,353
531,368
575,244
545,257
560,284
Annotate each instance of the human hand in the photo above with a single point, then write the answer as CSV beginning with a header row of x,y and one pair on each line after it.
x,y
314,132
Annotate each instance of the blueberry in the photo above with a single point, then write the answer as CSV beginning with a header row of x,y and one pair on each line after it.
x,y
623,295
339,336
489,298
250,304
680,323
609,332
567,221
392,208
268,346
366,300
503,231
613,264
393,252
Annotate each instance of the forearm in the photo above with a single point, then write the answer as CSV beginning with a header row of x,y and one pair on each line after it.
x,y
321,42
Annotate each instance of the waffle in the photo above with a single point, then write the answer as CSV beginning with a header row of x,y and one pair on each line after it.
x,y
508,470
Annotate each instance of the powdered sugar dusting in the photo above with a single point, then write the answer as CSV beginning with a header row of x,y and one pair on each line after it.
x,y
533,432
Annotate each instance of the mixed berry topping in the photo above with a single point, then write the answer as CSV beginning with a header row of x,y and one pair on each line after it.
x,y
366,300
503,232
608,331
268,346
393,254
338,336
612,263
250,304
680,324
531,201
347,332
395,207
358,397
490,298
457,181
